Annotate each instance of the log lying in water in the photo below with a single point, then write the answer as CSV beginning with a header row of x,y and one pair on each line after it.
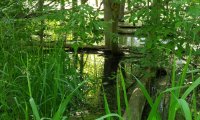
x,y
84,48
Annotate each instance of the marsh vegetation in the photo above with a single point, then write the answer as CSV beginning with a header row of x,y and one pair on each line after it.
x,y
102,59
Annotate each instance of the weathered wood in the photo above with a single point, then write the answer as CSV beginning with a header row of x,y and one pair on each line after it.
x,y
127,25
136,102
126,31
85,48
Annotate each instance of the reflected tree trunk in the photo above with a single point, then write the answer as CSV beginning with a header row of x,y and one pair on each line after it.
x,y
110,68
109,79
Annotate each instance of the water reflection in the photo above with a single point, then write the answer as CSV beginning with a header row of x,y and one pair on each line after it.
x,y
93,70
101,71
98,69
90,68
130,41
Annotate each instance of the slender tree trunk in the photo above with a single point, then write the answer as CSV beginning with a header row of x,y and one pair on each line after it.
x,y
121,12
63,35
74,3
111,16
83,1
108,18
62,4
97,4
115,17
129,5
41,31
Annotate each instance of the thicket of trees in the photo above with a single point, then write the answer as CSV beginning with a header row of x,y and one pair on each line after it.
x,y
28,27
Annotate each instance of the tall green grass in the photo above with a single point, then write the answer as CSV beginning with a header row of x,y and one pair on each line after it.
x,y
120,86
178,96
34,83
176,102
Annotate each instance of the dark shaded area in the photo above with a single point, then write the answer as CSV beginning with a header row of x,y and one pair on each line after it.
x,y
109,79
110,69
160,72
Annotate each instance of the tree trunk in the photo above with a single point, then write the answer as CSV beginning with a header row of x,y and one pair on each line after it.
x,y
109,80
108,18
74,3
41,31
115,17
97,4
121,12
111,16
83,1
64,34
62,4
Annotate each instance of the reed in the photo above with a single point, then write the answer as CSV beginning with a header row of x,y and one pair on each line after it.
x,y
178,96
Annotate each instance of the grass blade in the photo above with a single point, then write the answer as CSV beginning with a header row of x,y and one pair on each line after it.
x,y
183,75
118,99
172,111
145,92
191,88
34,108
110,115
194,71
124,90
185,107
198,117
107,109
153,113
65,102
194,100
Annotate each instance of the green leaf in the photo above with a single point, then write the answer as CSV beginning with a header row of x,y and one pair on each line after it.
x,y
34,108
107,109
194,71
194,11
65,102
145,92
191,88
153,115
118,98
185,107
178,24
109,115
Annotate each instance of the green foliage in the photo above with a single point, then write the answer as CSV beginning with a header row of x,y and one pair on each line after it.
x,y
84,24
34,109
168,27
40,80
110,115
30,74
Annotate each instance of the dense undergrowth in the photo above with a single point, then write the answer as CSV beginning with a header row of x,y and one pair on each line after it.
x,y
47,78
38,81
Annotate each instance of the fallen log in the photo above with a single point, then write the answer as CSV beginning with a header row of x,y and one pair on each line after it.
x,y
83,48
136,102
